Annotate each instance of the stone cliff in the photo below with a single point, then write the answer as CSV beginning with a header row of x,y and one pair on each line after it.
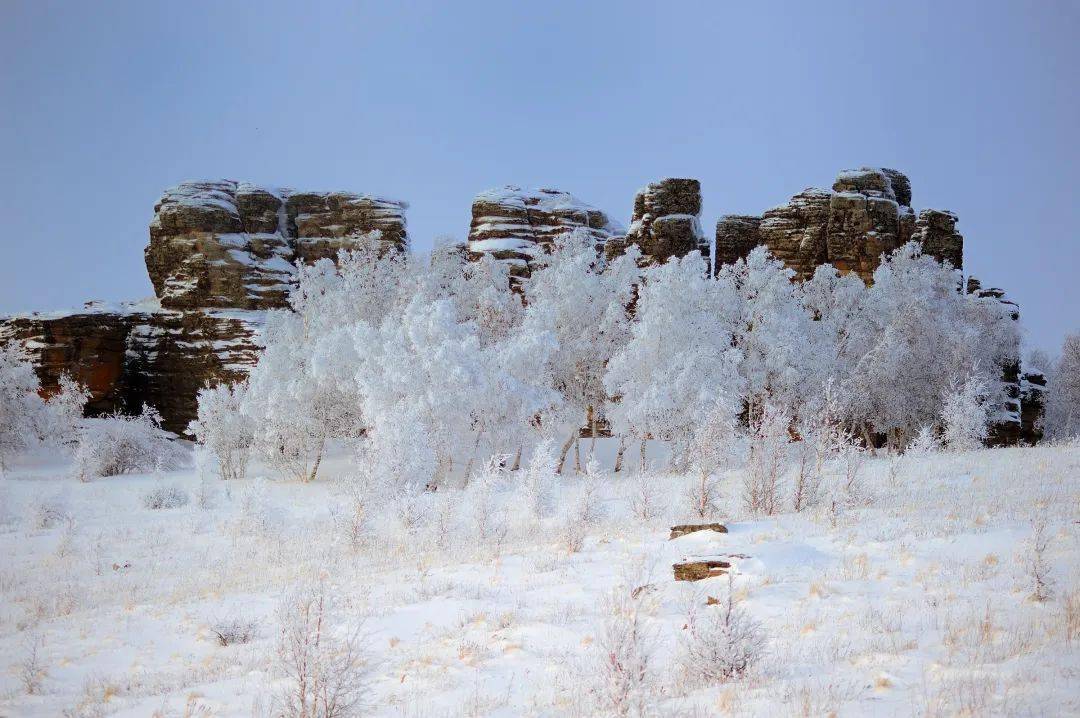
x,y
513,224
220,253
223,252
866,214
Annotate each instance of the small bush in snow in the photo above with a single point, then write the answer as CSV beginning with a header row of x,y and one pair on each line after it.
x,y
327,670
49,511
722,642
539,480
165,497
121,444
233,630
626,646
768,455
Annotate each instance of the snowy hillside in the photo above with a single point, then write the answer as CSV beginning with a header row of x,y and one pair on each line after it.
x,y
946,585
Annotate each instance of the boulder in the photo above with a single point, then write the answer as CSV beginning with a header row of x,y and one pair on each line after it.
x,y
666,221
699,569
514,225
684,529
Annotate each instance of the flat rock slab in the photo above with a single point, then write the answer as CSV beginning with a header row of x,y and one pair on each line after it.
x,y
683,529
698,570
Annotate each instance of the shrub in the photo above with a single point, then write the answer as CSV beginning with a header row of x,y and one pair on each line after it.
x,y
121,444
165,497
327,671
224,428
722,643
233,630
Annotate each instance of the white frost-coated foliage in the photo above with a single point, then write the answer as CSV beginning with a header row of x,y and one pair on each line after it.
x,y
583,302
326,667
721,643
680,364
924,337
966,415
26,420
224,428
119,444
1063,392
774,333
22,412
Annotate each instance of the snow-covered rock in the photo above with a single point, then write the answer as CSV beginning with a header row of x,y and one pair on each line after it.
x,y
513,224
666,221
229,244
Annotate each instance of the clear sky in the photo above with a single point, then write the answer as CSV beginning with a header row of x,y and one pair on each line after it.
x,y
105,104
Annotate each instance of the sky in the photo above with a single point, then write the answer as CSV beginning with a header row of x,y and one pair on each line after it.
x,y
106,104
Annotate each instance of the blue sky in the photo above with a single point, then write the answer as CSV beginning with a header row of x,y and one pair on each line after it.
x,y
106,104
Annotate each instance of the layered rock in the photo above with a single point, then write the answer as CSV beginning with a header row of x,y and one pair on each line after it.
x,y
1032,406
129,356
866,214
797,232
219,254
936,231
666,221
865,219
514,225
736,236
233,245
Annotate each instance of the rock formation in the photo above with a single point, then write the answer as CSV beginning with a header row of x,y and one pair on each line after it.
x,y
866,214
736,235
232,245
219,253
222,252
513,224
666,221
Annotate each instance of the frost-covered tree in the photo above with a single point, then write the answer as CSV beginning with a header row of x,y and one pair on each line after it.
x,y
773,332
583,302
224,428
22,411
1063,392
681,363
923,338
965,415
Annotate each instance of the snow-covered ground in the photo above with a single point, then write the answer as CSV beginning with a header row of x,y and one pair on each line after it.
x,y
916,602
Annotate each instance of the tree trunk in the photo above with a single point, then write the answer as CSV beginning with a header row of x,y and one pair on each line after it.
x,y
562,454
619,453
472,455
517,459
318,459
641,466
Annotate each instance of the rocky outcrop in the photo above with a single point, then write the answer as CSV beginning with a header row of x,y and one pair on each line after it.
x,y
1032,406
233,245
736,236
866,214
666,221
936,230
797,232
219,254
865,219
513,224
134,355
